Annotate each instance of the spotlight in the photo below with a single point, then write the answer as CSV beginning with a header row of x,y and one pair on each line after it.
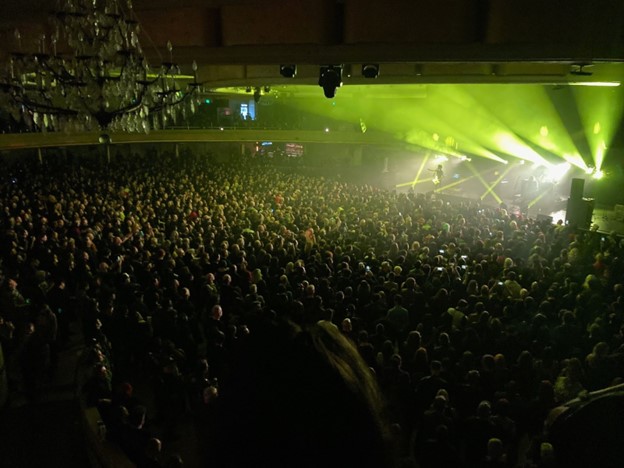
x,y
330,79
288,70
370,70
267,89
257,95
248,89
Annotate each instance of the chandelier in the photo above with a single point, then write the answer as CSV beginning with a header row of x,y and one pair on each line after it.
x,y
91,74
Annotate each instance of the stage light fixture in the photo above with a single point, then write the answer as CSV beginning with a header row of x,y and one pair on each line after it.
x,y
248,89
257,95
267,89
288,70
330,78
579,69
370,70
105,139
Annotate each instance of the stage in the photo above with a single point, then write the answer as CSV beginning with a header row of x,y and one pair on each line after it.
x,y
549,202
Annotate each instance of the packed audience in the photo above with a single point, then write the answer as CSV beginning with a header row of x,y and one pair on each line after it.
x,y
473,322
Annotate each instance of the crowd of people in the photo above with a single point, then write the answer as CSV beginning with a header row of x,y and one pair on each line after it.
x,y
299,317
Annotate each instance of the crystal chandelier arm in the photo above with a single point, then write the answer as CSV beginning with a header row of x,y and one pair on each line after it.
x,y
104,80
143,82
105,118
161,105
63,76
147,82
45,108
129,108
83,102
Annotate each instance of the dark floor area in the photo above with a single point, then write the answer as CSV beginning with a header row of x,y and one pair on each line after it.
x,y
48,434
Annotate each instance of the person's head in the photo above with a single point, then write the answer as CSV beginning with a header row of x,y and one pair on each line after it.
x,y
174,460
574,369
442,432
395,361
315,401
525,360
484,410
387,348
601,349
125,390
439,403
443,392
567,317
414,339
487,363
500,361
153,448
421,356
444,339
547,452
435,367
501,407
495,449
217,312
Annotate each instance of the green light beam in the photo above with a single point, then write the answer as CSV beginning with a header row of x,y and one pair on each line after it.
x,y
497,181
477,175
485,123
532,115
421,181
536,199
454,184
420,169
601,113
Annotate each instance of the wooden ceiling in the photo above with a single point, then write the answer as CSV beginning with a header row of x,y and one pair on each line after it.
x,y
242,42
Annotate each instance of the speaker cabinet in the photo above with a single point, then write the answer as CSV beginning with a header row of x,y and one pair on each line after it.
x,y
579,212
577,188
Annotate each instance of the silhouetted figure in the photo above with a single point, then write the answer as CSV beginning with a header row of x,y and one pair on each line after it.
x,y
300,397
